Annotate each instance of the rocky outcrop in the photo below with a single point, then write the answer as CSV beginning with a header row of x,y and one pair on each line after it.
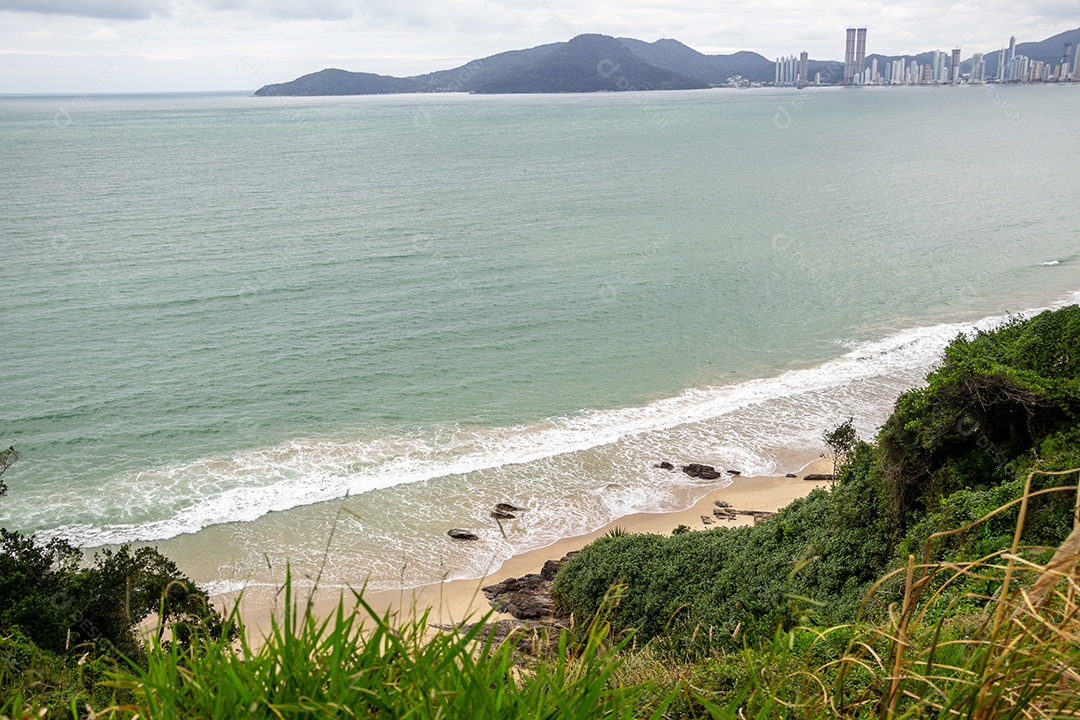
x,y
819,476
527,597
702,472
552,567
665,465
459,534
508,508
724,511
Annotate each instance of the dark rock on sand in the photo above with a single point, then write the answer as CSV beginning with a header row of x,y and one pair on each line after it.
x,y
819,476
500,515
703,472
734,472
508,508
791,475
459,534
666,466
526,598
552,567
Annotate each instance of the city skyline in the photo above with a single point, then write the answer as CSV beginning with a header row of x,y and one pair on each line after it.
x,y
943,68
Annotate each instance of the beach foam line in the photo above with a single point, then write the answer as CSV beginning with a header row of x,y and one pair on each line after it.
x,y
247,485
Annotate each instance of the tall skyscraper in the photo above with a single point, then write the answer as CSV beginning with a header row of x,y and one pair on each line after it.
x,y
954,66
860,50
1010,59
804,64
937,63
978,68
787,72
1076,63
849,57
1001,66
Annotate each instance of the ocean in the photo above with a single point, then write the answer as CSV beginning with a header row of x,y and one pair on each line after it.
x,y
322,331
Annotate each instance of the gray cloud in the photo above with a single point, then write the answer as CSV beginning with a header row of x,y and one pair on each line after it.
x,y
1066,10
112,9
288,9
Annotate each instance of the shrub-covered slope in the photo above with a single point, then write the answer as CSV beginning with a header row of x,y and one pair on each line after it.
x,y
1001,403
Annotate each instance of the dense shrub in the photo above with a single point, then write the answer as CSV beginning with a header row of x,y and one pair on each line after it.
x,y
813,559
1002,403
65,622
61,605
995,396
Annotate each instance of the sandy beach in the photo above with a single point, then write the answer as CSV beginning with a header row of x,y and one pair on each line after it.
x,y
456,601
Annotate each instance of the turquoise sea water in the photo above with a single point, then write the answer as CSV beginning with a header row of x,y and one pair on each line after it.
x,y
222,315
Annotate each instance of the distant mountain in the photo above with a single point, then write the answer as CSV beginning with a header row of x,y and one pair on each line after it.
x,y
341,82
586,63
713,69
494,68
832,71
590,63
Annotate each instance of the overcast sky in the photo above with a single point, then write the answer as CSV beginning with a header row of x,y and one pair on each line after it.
x,y
115,46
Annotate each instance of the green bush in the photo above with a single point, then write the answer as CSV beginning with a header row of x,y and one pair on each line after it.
x,y
703,590
1002,403
994,397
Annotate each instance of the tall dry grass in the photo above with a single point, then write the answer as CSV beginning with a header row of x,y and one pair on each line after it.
x,y
996,637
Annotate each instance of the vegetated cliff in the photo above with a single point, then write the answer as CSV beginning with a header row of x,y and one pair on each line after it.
x,y
1002,403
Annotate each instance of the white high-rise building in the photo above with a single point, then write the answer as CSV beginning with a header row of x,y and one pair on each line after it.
x,y
938,63
978,68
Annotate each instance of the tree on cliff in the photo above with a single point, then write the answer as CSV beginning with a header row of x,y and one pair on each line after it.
x,y
7,459
50,597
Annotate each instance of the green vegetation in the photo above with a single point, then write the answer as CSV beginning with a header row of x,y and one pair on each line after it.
x,y
1002,403
64,623
712,590
841,441
358,662
939,577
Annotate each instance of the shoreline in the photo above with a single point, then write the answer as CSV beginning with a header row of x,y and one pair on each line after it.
x,y
456,601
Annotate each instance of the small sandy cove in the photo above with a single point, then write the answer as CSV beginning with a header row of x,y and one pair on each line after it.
x,y
455,601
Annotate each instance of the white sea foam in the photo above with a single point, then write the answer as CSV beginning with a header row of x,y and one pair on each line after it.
x,y
1051,262
747,416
